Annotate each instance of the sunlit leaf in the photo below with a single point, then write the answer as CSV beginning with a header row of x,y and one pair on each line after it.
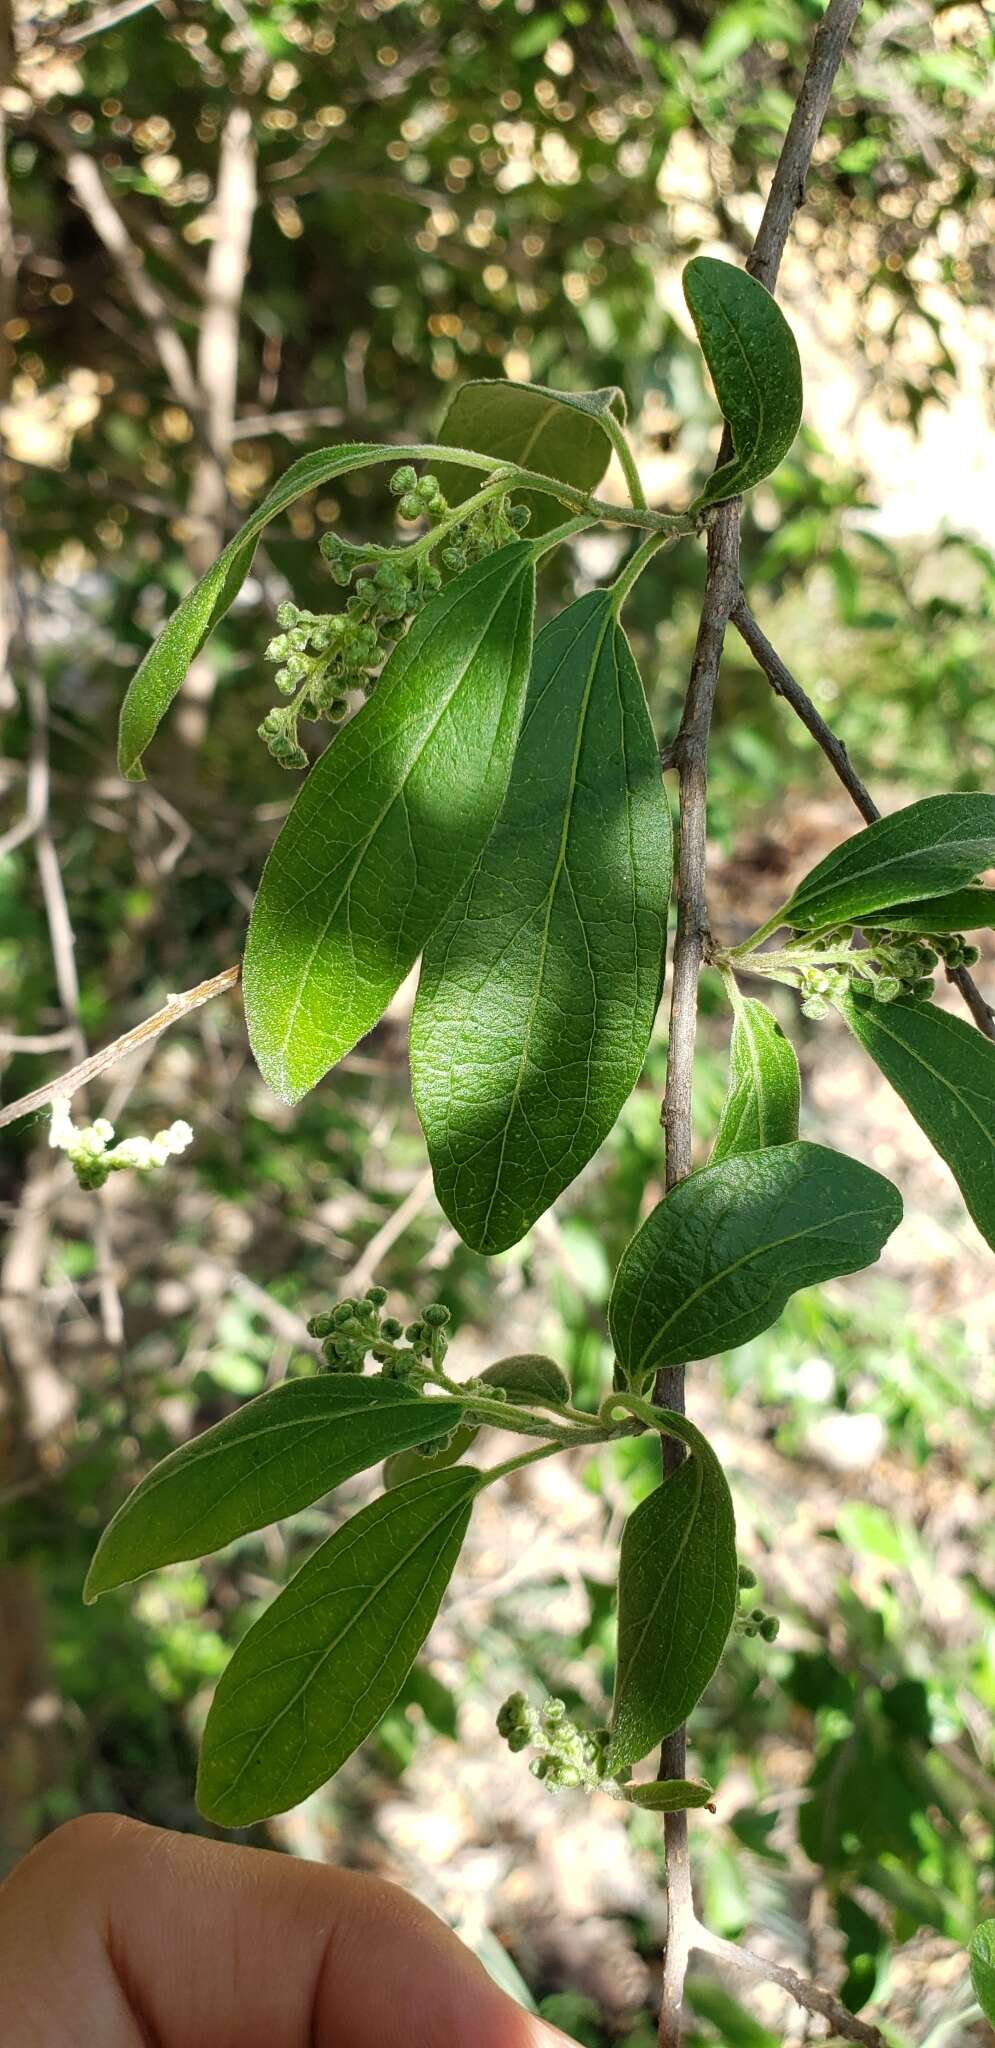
x,y
983,1967
669,1795
761,1107
925,850
752,357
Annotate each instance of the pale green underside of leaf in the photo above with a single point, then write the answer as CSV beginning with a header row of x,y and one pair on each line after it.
x,y
156,681
528,1377
669,1795
388,825
677,1595
753,361
762,1104
320,1668
539,990
944,1071
275,1455
963,910
925,850
982,1954
717,1259
556,433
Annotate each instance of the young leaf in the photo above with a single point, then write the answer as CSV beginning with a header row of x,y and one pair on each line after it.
x,y
156,681
530,1376
963,910
677,1595
319,1669
924,850
405,1465
761,1107
558,433
275,1455
388,826
982,1954
752,358
669,1795
944,1071
717,1259
538,991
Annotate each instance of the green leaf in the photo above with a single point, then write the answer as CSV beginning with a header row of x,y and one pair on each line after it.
x,y
761,1107
924,850
944,1071
669,1795
677,1598
982,1952
275,1455
539,990
405,1465
388,825
558,433
752,357
963,910
155,683
717,1259
530,1376
314,1676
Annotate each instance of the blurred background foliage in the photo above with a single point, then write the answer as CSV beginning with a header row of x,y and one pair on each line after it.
x,y
232,232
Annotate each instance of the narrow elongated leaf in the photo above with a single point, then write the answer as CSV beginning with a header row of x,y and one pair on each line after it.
x,y
753,361
558,433
982,1954
669,1795
922,851
156,681
677,1595
944,1071
388,825
538,991
717,1259
317,1672
963,910
275,1455
761,1107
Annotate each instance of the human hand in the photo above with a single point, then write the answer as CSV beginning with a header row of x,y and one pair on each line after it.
x,y
113,1935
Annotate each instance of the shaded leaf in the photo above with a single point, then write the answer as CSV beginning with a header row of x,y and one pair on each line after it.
x,y
753,361
922,851
530,1376
275,1455
539,990
668,1795
388,825
963,910
982,1953
314,1676
411,1464
677,1597
762,1103
944,1071
557,433
717,1259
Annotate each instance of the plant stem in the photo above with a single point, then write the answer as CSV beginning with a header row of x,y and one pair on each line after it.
x,y
630,469
690,756
516,1464
634,568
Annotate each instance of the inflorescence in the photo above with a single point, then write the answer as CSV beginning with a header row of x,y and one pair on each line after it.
x,y
93,1155
569,1757
322,657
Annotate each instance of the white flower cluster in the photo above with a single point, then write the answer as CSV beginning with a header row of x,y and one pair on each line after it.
x,y
89,1148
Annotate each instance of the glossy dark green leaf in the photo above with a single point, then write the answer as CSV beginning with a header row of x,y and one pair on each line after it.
x,y
752,358
557,433
275,1455
717,1259
925,850
156,681
944,1071
539,990
388,825
315,1674
677,1597
982,1954
669,1795
761,1107
963,910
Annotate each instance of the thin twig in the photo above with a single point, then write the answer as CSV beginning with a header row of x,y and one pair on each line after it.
x,y
810,1997
784,684
690,755
363,1272
87,1070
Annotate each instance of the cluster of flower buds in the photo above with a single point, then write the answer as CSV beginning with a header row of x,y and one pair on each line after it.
x,y
758,1622
93,1155
355,1330
819,986
569,1757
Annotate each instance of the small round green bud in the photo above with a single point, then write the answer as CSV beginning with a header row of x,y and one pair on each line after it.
x,y
403,480
431,580
815,1007
923,988
541,1766
756,1614
554,1711
745,1578
453,558
436,1315
376,1296
519,517
970,955
392,1329
410,506
320,1325
287,614
885,988
770,1628
415,1333
517,1740
427,487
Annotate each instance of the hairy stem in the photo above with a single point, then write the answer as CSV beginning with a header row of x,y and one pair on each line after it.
x,y
690,757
